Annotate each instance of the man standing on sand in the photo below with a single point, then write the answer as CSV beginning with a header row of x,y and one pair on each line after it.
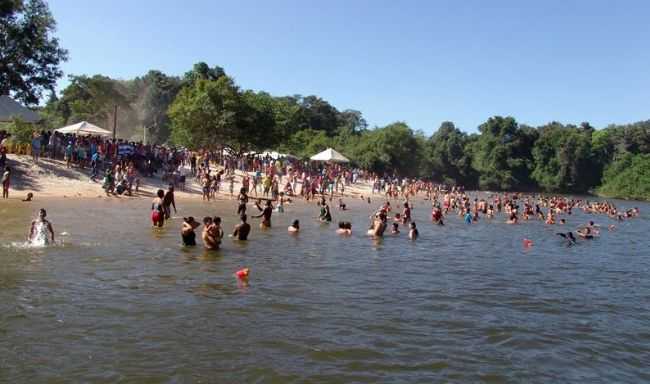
x,y
36,147
6,180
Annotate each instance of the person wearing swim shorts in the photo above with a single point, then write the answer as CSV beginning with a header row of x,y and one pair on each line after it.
x,y
157,210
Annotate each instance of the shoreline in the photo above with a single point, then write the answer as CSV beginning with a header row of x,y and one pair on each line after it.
x,y
51,179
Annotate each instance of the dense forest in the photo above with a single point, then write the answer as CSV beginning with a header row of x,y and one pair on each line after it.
x,y
205,108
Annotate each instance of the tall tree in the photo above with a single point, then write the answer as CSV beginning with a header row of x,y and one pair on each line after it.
x,y
160,91
92,99
563,159
207,114
202,71
29,53
502,154
449,160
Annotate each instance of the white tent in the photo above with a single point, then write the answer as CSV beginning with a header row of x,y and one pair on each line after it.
x,y
330,155
84,128
272,154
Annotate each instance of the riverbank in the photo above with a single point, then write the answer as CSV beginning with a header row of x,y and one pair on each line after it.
x,y
51,178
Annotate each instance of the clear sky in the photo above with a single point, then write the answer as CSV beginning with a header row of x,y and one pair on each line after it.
x,y
422,62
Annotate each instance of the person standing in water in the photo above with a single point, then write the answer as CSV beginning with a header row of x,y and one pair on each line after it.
x,y
168,202
41,230
187,231
243,199
242,229
413,233
216,230
406,214
267,211
157,210
209,240
325,214
6,180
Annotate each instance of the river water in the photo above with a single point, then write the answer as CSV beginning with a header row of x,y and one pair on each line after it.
x,y
118,302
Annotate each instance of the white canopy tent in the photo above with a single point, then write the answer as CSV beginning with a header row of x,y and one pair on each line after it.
x,y
272,154
330,155
84,128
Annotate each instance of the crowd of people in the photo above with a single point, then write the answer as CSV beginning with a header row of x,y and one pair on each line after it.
x,y
515,208
267,181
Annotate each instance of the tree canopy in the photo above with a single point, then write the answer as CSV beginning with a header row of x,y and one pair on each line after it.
x,y
29,53
205,108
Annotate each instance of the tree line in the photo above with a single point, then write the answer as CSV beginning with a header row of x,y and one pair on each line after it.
x,y
205,108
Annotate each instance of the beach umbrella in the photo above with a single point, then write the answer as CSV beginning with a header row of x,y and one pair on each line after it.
x,y
84,128
11,109
330,155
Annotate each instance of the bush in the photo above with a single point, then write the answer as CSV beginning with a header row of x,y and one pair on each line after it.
x,y
21,132
627,177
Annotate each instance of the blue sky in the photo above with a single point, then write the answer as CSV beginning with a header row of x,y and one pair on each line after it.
x,y
422,62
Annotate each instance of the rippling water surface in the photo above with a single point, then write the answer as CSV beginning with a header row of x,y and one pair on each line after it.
x,y
118,302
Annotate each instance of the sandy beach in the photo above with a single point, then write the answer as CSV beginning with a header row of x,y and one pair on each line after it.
x,y
51,178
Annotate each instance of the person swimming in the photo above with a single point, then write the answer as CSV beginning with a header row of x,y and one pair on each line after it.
x,y
345,228
413,232
395,230
187,231
41,230
28,198
571,240
586,233
294,227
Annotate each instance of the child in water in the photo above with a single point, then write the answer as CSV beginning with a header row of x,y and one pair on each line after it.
x,y
345,228
41,230
395,230
413,233
294,227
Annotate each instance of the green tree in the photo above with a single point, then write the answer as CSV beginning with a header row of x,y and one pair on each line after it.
x,y
21,132
90,98
160,92
393,149
207,114
627,177
502,154
29,54
320,115
563,159
202,71
449,160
